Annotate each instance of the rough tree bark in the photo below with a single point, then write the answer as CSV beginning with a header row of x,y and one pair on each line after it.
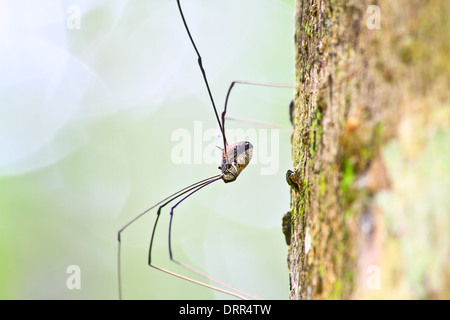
x,y
370,208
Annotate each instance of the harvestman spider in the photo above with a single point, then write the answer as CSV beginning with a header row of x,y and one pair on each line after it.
x,y
235,157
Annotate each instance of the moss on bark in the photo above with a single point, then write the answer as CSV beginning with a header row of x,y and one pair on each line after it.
x,y
359,91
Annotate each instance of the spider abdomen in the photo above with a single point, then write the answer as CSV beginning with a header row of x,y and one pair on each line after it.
x,y
238,156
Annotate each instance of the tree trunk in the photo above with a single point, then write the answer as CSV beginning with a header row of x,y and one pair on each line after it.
x,y
370,208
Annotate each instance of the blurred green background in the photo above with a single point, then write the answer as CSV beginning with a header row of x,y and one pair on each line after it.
x,y
86,119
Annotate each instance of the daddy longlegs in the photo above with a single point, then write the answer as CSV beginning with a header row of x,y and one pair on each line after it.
x,y
235,157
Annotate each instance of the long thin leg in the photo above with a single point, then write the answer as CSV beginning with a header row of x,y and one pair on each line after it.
x,y
191,268
167,199
264,84
221,125
191,191
199,59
